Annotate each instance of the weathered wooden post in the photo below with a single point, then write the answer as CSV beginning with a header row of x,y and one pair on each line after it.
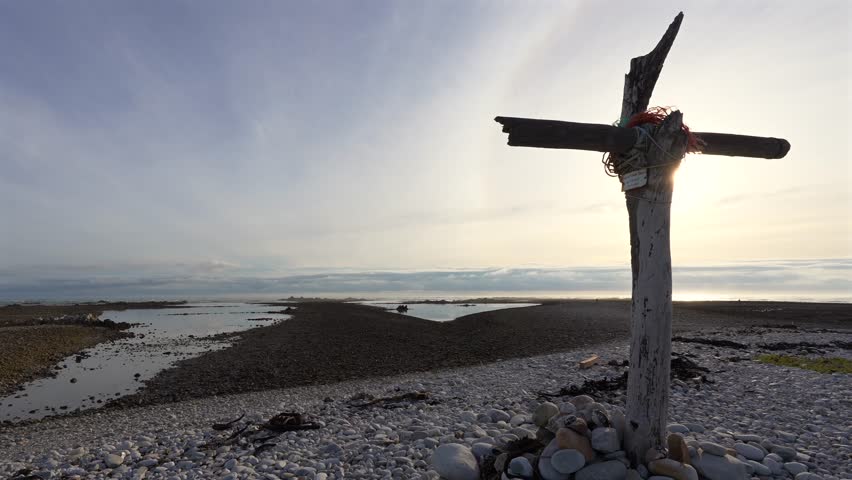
x,y
645,158
649,215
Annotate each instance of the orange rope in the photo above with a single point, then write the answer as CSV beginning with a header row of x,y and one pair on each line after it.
x,y
655,116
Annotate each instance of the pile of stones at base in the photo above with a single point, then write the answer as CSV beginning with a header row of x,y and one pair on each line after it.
x,y
584,441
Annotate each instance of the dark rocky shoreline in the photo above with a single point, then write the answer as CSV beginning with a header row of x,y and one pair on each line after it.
x,y
327,342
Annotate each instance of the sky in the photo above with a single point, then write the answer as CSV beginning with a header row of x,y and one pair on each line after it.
x,y
169,148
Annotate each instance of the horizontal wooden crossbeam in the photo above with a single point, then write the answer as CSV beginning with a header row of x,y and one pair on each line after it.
x,y
528,132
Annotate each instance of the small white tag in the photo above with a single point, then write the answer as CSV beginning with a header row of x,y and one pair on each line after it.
x,y
634,179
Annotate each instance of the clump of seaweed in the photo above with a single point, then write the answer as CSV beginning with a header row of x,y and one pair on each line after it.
x,y
821,365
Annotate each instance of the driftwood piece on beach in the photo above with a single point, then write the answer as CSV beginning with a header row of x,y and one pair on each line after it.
x,y
589,362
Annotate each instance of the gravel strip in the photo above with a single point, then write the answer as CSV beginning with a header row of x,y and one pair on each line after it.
x,y
494,402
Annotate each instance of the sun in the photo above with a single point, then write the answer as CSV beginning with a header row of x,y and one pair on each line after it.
x,y
694,181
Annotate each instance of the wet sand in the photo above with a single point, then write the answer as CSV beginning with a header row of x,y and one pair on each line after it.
x,y
329,342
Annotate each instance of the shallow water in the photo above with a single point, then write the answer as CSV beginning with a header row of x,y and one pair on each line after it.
x,y
114,369
447,311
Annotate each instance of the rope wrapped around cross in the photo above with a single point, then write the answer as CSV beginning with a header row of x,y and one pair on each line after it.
x,y
645,123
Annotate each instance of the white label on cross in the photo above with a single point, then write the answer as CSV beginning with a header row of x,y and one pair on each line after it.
x,y
634,179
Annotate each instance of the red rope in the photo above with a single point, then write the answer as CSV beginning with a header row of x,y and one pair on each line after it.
x,y
655,116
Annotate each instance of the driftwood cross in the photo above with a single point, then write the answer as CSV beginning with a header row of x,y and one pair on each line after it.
x,y
645,160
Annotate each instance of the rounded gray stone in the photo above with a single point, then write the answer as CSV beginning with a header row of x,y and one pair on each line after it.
x,y
747,437
749,451
713,448
808,476
545,412
113,460
713,467
568,461
455,462
605,440
677,428
795,467
481,450
788,454
774,466
498,415
522,467
759,468
694,427
611,470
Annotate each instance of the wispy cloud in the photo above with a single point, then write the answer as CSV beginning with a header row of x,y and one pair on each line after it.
x,y
203,142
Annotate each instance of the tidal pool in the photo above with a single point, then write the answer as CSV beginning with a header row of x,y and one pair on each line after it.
x,y
445,312
114,369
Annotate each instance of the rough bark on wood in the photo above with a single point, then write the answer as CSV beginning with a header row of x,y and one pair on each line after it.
x,y
651,307
644,71
649,209
531,132
528,132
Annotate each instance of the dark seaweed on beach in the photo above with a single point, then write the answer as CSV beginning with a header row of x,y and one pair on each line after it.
x,y
686,370
682,368
593,388
227,425
289,421
396,401
265,439
513,449
282,422
807,346
237,433
710,341
24,474
516,448
262,448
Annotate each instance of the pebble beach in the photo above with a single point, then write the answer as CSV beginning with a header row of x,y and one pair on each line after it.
x,y
475,406
771,421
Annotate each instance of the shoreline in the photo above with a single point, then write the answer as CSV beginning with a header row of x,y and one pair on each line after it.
x,y
37,337
36,351
799,408
328,342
